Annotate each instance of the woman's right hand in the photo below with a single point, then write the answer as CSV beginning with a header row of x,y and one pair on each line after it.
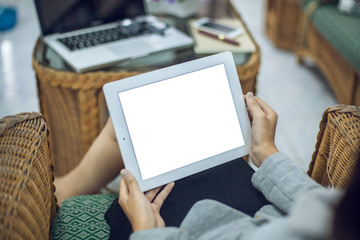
x,y
263,121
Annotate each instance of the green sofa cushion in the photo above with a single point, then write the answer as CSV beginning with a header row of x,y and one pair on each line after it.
x,y
82,217
341,30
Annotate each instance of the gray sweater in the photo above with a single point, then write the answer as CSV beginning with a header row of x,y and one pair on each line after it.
x,y
302,209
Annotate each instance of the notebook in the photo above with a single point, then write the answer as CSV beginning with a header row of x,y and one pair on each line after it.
x,y
205,45
94,34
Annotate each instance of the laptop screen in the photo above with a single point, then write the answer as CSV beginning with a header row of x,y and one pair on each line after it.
x,y
59,16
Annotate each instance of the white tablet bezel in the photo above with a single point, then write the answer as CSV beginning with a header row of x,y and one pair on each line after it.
x,y
112,89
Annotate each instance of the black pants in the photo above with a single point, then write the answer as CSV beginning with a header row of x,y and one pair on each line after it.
x,y
229,183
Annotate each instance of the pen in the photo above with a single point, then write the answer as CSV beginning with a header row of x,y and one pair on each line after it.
x,y
220,37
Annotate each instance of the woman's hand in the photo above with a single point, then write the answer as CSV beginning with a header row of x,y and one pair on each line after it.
x,y
263,122
142,210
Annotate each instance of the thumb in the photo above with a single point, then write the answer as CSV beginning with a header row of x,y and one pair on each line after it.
x,y
253,105
130,181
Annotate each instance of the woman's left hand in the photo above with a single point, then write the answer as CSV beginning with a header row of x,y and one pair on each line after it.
x,y
142,210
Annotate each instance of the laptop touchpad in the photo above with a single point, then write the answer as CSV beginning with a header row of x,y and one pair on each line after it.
x,y
132,48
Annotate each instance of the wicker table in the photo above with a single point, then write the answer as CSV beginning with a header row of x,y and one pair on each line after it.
x,y
74,107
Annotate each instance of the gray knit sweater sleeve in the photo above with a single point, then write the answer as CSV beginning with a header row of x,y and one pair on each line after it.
x,y
167,233
207,219
281,181
278,178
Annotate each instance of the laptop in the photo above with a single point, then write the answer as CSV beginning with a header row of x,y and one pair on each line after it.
x,y
92,34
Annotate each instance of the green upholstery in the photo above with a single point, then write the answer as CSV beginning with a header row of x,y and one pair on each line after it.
x,y
341,30
82,217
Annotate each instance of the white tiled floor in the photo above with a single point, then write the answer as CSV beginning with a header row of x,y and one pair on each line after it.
x,y
299,94
17,80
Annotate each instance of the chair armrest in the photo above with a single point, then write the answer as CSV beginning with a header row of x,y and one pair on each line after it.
x,y
337,147
27,201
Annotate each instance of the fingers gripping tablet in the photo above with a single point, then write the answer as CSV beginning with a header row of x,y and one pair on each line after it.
x,y
180,120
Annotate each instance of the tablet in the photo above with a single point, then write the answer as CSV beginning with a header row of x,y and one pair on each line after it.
x,y
180,120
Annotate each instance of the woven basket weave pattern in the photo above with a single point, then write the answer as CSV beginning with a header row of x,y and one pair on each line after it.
x,y
283,21
337,147
289,28
27,202
70,104
339,73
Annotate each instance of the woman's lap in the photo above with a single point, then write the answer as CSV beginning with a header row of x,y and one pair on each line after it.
x,y
229,183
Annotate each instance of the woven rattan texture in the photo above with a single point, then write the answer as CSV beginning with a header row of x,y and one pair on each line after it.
x,y
283,21
27,202
340,74
74,106
288,28
338,146
341,30
70,102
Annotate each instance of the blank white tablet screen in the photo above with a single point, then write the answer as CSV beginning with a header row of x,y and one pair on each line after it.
x,y
181,120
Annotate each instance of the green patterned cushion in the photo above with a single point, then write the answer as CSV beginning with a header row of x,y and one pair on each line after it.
x,y
82,217
341,30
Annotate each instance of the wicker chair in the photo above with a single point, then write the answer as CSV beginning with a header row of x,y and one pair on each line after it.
x,y
290,28
28,205
27,201
338,144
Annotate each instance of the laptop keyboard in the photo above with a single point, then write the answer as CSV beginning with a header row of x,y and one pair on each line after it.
x,y
90,39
